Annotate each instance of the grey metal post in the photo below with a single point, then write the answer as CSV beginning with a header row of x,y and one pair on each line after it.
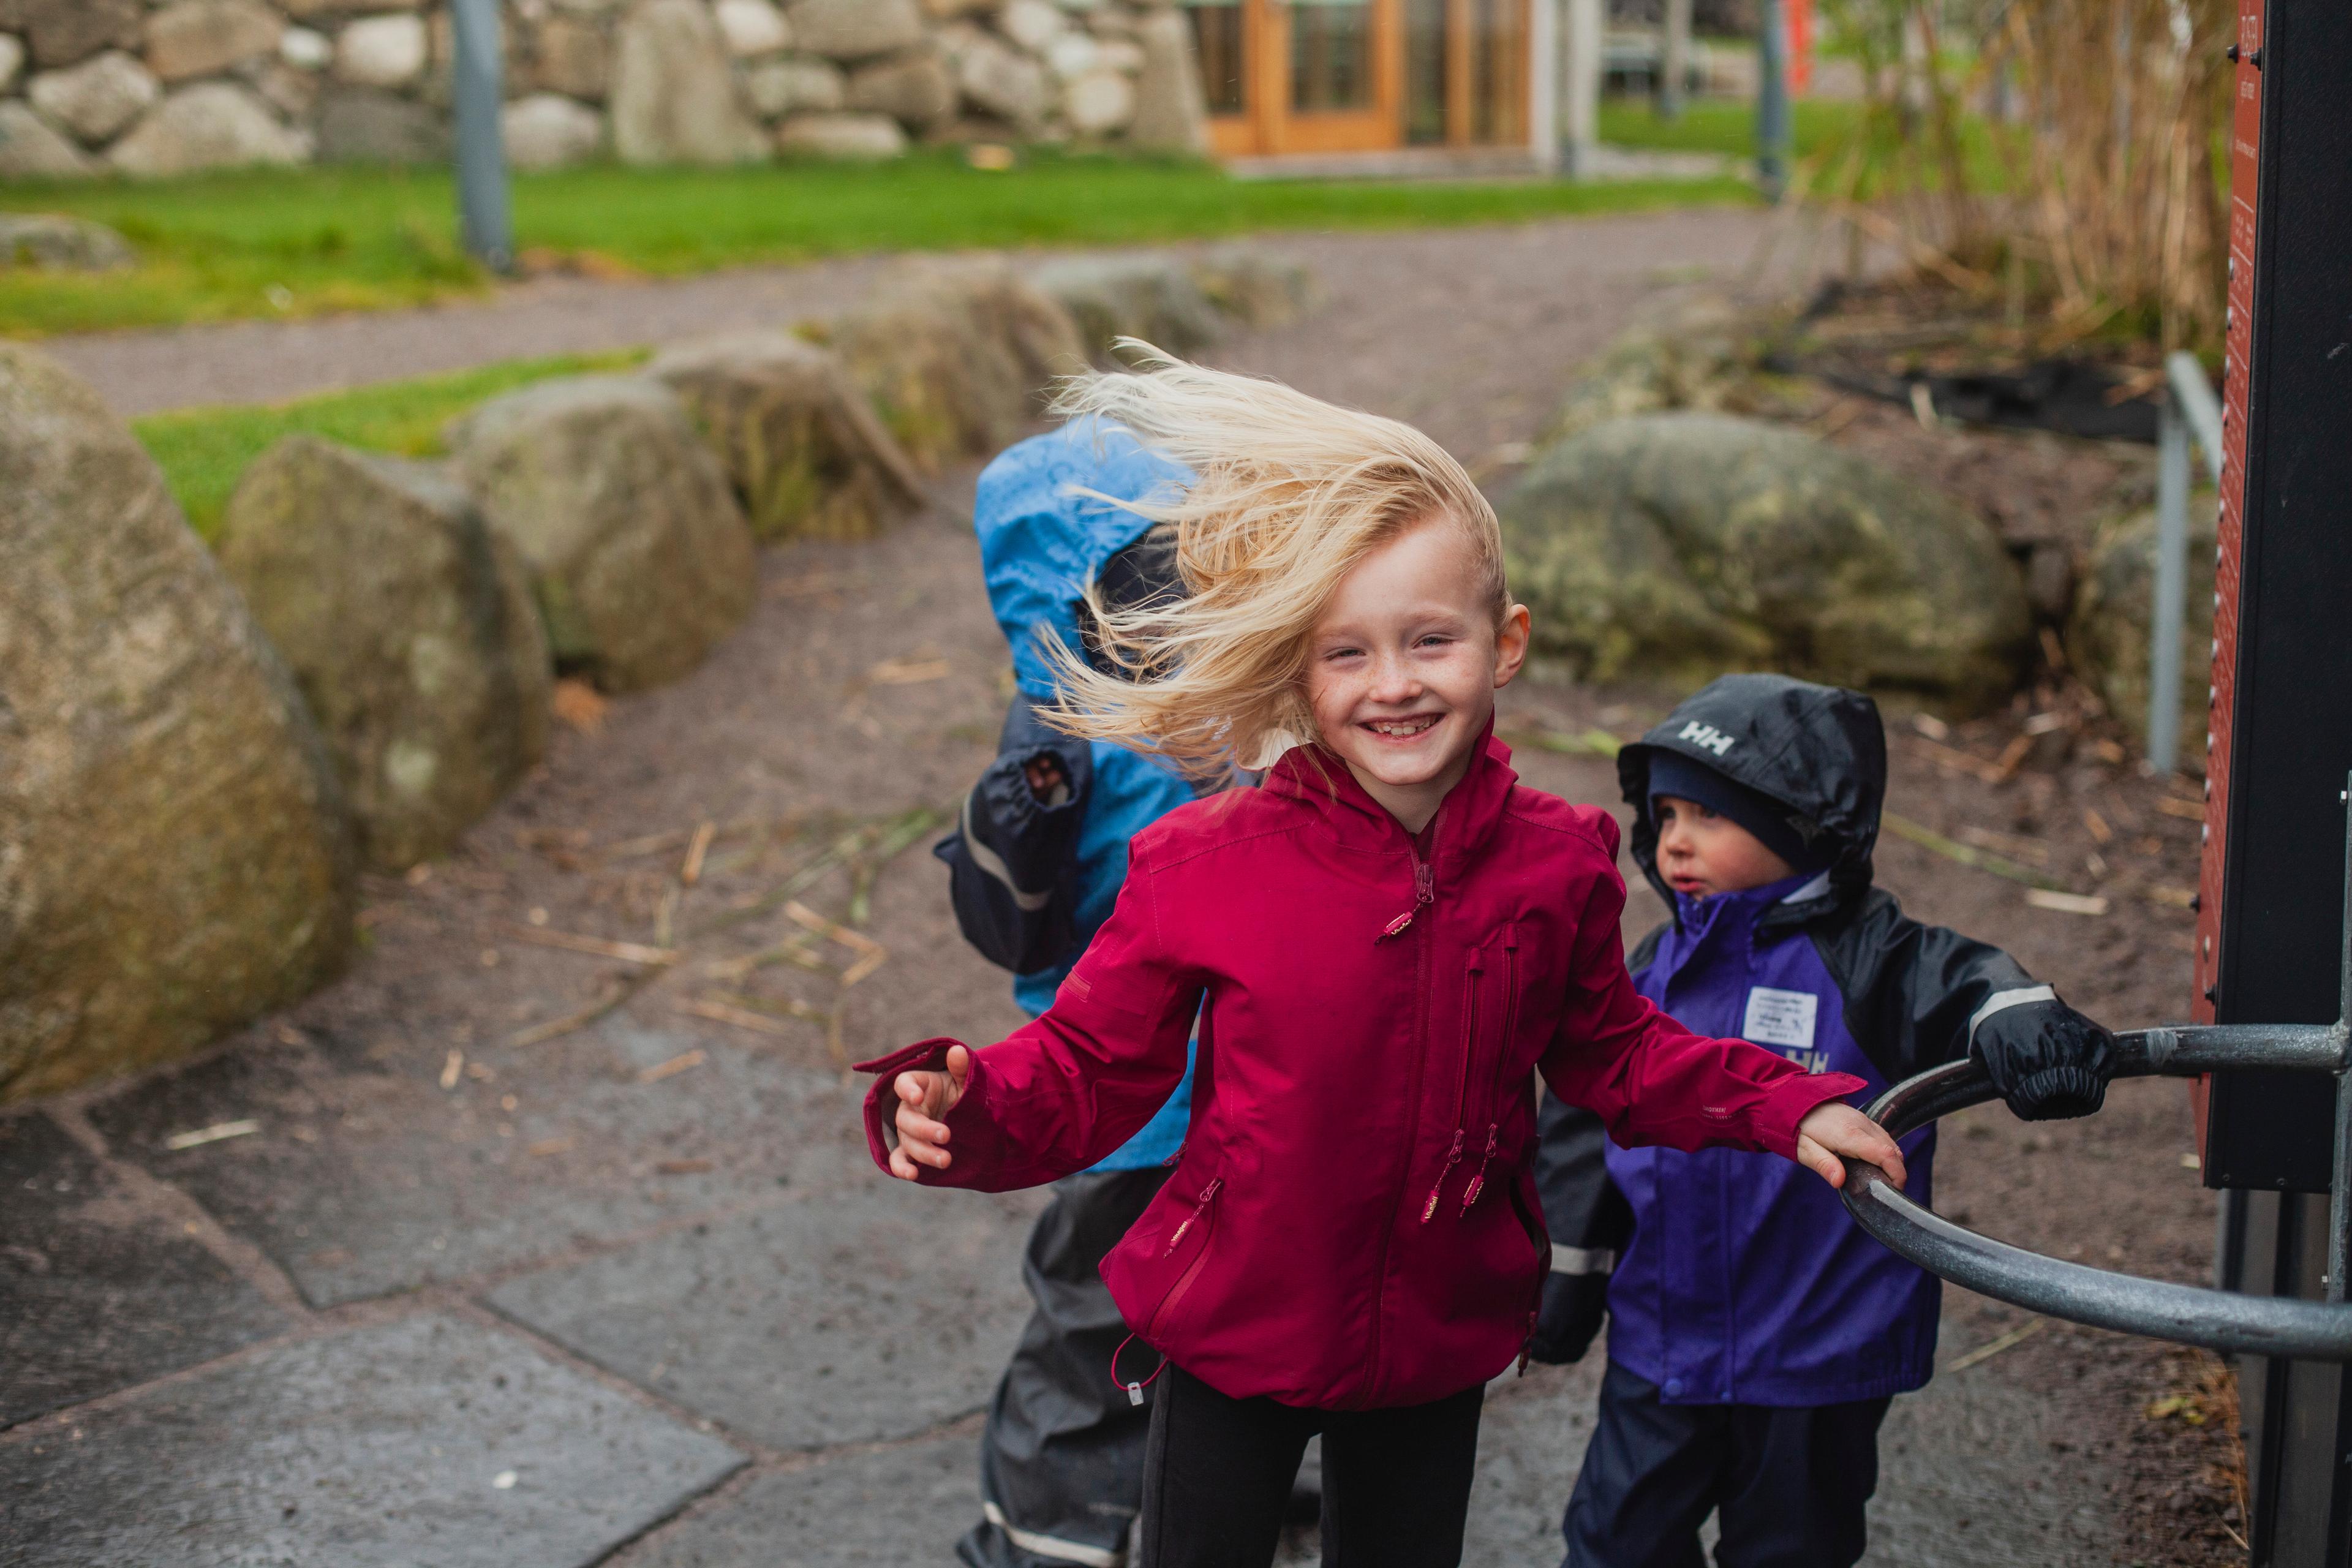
x,y
1773,99
2339,1209
1579,85
1673,59
479,93
2171,602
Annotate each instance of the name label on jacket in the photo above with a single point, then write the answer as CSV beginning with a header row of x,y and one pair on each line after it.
x,y
1784,1018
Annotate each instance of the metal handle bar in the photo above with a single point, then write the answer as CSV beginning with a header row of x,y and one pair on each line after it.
x,y
2217,1319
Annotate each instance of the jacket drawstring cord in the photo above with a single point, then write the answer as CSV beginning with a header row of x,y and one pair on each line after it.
x,y
1478,1178
1453,1158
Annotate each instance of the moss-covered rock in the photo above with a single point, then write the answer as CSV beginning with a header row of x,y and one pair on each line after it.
x,y
1696,353
409,627
1681,546
807,455
639,554
1154,298
1257,286
2107,636
174,856
957,358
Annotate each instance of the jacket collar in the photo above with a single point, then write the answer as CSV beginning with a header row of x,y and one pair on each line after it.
x,y
1791,898
1314,776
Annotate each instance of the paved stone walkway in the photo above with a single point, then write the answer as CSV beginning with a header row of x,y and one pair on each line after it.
x,y
635,1296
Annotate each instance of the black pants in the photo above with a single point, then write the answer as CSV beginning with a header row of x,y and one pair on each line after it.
x,y
1217,1479
1788,1484
1061,1465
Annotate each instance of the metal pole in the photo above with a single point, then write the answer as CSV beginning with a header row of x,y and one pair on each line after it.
x,y
479,91
2339,1198
1773,99
1579,85
1673,59
2171,602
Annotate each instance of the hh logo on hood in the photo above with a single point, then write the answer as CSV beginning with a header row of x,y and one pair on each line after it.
x,y
1708,735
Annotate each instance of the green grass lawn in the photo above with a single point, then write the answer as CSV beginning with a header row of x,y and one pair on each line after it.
x,y
204,450
1720,125
299,242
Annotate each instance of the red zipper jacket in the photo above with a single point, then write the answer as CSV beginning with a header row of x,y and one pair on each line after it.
x,y
1352,1219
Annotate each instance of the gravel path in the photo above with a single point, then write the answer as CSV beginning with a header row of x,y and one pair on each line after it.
x,y
1570,269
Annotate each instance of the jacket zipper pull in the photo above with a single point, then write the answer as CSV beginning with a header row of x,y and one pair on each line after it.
x,y
1478,1182
1424,892
1198,1209
1453,1156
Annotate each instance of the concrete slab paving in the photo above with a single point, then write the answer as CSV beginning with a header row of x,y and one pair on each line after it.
x,y
367,1177
428,1441
899,1507
97,1293
876,1314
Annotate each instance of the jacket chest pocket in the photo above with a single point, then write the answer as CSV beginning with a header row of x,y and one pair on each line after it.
x,y
1484,1050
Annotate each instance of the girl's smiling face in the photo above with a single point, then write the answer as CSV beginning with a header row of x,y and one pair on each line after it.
x,y
1403,665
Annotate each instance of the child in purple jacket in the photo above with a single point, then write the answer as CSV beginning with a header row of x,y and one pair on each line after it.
x,y
1755,1334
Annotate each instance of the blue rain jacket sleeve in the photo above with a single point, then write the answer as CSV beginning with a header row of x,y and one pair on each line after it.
x,y
1032,879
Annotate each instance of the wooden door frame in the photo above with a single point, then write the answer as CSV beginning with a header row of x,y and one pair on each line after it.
x,y
1267,124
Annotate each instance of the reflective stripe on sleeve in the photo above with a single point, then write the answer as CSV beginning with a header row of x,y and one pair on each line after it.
x,y
1582,1259
2001,1001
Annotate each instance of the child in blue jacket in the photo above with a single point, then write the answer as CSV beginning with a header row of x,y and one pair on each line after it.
x,y
1035,865
1755,1334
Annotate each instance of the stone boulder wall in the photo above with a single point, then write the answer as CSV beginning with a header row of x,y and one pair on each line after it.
x,y
1154,298
953,357
1683,545
806,453
640,558
2107,636
674,91
174,856
410,629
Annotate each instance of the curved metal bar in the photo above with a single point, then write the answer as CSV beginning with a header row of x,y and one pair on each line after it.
x,y
2217,1319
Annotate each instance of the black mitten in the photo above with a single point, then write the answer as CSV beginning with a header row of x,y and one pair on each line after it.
x,y
2049,1061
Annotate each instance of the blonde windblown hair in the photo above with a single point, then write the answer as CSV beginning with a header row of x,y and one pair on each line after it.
x,y
1288,493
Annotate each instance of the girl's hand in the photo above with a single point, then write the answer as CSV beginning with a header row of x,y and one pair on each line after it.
x,y
923,1098
1830,1129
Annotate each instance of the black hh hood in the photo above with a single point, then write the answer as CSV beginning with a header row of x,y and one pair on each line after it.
x,y
1820,750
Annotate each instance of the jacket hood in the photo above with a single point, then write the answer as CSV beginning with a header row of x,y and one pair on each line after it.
x,y
1040,544
1820,750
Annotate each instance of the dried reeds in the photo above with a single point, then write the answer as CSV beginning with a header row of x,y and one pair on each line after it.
x,y
2067,149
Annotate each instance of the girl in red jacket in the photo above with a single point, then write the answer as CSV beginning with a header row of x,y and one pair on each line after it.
x,y
1382,944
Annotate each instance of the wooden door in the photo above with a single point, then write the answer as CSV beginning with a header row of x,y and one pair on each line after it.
x,y
1301,76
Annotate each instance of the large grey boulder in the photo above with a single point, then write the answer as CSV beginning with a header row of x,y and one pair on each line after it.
x,y
1255,287
1681,546
549,130
917,89
1170,109
174,856
856,29
202,37
410,628
1001,80
2107,636
97,98
640,557
56,243
957,358
368,125
62,32
33,149
804,449
782,87
211,125
674,99
1691,353
572,57
1154,297
852,138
